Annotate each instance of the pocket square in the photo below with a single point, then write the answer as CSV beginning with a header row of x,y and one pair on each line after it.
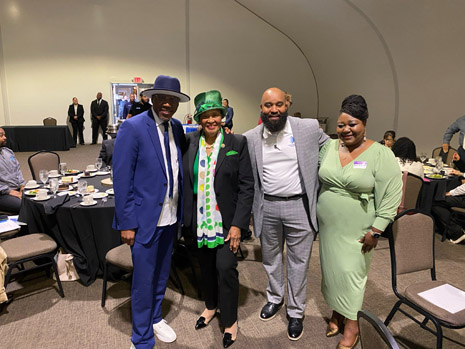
x,y
231,152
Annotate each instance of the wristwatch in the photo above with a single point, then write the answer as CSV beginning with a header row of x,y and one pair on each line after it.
x,y
375,234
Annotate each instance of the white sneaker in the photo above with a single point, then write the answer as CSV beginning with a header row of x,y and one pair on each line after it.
x,y
164,332
132,346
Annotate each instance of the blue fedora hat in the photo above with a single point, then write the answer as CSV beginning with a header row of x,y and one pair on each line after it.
x,y
167,85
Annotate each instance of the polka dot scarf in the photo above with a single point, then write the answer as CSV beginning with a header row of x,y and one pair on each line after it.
x,y
209,220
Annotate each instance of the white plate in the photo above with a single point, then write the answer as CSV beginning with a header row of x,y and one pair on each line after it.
x,y
99,195
73,172
110,191
70,193
93,192
33,187
29,193
50,176
90,170
37,199
91,204
102,173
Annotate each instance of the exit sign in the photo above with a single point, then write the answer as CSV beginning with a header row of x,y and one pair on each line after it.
x,y
137,80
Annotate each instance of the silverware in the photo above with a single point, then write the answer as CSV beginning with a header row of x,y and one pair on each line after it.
x,y
104,199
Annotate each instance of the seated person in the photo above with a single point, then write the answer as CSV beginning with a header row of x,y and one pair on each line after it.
x,y
11,178
459,164
106,152
389,139
443,215
405,151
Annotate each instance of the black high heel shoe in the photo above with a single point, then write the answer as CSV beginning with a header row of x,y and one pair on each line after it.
x,y
227,340
200,323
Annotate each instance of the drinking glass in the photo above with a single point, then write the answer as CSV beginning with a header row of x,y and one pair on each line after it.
x,y
54,186
43,176
423,157
98,164
63,168
82,187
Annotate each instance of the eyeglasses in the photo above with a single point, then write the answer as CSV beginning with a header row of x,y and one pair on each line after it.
x,y
167,98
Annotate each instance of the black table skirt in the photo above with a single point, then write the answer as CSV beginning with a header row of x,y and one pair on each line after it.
x,y
85,232
435,190
34,138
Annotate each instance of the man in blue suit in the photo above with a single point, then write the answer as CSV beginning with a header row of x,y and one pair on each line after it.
x,y
147,179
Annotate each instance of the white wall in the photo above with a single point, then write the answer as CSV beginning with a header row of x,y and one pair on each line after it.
x,y
406,58
54,50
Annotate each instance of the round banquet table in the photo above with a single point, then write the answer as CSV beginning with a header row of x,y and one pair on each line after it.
x,y
85,232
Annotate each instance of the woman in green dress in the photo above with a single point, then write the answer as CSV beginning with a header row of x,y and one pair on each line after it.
x,y
361,190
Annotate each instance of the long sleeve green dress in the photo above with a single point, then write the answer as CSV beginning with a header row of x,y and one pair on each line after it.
x,y
364,193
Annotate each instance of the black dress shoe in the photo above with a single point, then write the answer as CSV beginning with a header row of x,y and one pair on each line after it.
x,y
295,329
269,310
227,340
201,322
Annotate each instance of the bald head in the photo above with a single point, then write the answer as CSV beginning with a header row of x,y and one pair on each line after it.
x,y
2,138
274,109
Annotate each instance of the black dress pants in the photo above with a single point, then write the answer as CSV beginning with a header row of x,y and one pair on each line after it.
x,y
96,123
220,281
443,216
10,203
77,129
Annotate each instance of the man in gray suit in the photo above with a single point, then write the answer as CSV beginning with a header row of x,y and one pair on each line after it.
x,y
284,154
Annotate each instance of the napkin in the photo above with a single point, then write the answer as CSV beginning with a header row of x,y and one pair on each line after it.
x,y
51,206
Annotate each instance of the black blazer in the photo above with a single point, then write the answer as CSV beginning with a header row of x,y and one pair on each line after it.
x,y
106,152
99,110
234,183
80,114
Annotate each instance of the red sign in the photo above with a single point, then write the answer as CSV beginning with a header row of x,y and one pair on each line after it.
x,y
137,80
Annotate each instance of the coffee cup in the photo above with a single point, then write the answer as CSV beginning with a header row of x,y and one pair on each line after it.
x,y
91,168
87,200
42,194
53,173
31,184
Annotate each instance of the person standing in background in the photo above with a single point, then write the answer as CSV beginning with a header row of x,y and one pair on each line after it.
x,y
99,113
457,126
128,105
76,119
229,115
140,106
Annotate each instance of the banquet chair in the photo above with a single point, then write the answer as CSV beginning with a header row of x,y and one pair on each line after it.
x,y
43,160
50,121
120,257
409,226
32,247
373,333
450,154
413,187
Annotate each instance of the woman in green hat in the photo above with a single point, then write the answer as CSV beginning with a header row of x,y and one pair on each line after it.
x,y
218,190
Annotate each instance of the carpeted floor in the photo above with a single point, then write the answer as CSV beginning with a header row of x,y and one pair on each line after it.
x,y
39,318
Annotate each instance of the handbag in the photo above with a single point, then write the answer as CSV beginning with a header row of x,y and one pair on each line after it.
x,y
65,266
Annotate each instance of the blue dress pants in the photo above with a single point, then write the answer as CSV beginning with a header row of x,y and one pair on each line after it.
x,y
150,275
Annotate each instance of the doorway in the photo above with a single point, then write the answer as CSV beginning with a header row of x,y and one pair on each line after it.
x,y
120,96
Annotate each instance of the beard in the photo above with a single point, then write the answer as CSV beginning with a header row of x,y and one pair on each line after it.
x,y
274,126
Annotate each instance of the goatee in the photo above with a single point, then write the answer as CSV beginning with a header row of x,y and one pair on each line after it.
x,y
274,126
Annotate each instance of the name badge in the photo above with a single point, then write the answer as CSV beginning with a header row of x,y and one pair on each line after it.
x,y
292,142
360,164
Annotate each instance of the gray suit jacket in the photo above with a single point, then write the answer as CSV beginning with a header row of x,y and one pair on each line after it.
x,y
309,138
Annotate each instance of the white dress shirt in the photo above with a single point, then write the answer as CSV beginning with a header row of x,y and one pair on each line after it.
x,y
281,176
169,210
75,109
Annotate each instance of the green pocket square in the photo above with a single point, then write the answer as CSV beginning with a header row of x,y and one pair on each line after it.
x,y
231,152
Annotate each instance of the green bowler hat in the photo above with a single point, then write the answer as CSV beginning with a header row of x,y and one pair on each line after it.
x,y
207,101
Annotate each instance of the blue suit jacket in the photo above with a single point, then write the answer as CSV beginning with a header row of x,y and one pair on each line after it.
x,y
139,175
